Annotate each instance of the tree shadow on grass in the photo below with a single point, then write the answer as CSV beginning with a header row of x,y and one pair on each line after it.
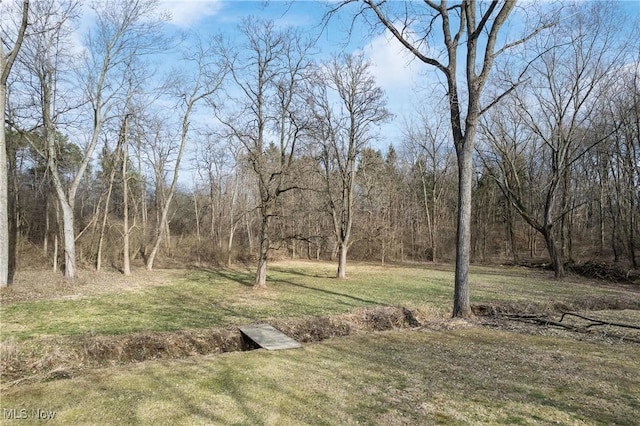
x,y
300,273
243,278
333,293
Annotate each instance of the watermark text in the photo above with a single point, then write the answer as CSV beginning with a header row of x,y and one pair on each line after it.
x,y
28,414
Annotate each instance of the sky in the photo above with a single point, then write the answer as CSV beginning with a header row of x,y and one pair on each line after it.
x,y
407,82
392,66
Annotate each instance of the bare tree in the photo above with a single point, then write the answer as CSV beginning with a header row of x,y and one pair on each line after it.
x,y
47,59
268,71
427,146
7,241
344,128
548,118
123,31
209,74
469,30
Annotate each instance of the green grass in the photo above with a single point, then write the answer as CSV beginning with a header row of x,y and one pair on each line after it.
x,y
215,298
458,376
469,375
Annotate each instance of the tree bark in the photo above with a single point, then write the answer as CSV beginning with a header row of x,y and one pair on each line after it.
x,y
554,253
69,239
342,260
261,273
7,254
5,251
461,303
126,259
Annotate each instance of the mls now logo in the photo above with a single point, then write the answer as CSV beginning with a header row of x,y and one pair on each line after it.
x,y
23,414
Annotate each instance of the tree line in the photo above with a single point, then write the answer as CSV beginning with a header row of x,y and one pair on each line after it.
x,y
256,148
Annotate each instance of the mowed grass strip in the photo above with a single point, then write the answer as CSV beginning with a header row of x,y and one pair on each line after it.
x,y
468,375
206,298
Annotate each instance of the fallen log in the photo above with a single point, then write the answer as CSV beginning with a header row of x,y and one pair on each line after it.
x,y
598,322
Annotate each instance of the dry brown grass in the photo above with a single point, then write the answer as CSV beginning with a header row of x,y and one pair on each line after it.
x,y
38,284
45,358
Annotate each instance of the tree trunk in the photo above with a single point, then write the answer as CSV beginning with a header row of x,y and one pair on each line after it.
x,y
4,193
195,208
7,257
342,261
232,232
261,273
554,253
511,235
112,176
160,229
12,211
126,259
69,240
461,303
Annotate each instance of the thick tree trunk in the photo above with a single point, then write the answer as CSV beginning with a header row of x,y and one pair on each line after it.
x,y
69,240
461,303
554,253
342,261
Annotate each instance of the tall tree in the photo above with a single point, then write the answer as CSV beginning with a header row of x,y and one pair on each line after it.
x,y
268,72
469,33
206,80
344,127
427,146
7,241
548,118
123,30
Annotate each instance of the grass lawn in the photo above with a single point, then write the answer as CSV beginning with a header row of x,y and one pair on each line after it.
x,y
454,373
467,375
216,298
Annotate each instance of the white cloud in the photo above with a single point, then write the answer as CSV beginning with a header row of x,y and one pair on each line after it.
x,y
188,12
393,66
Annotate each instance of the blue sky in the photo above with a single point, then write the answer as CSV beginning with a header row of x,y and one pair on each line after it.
x,y
406,82
392,68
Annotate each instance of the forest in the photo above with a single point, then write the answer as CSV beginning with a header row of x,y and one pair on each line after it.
x,y
257,147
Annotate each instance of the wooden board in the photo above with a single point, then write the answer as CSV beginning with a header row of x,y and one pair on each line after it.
x,y
269,337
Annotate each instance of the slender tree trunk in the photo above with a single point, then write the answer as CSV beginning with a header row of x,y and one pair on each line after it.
x,y
13,212
232,222
126,257
160,229
261,273
428,216
55,252
5,251
7,257
105,216
511,235
232,232
47,226
195,208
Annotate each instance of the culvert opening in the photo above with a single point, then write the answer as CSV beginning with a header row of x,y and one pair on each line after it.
x,y
268,337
